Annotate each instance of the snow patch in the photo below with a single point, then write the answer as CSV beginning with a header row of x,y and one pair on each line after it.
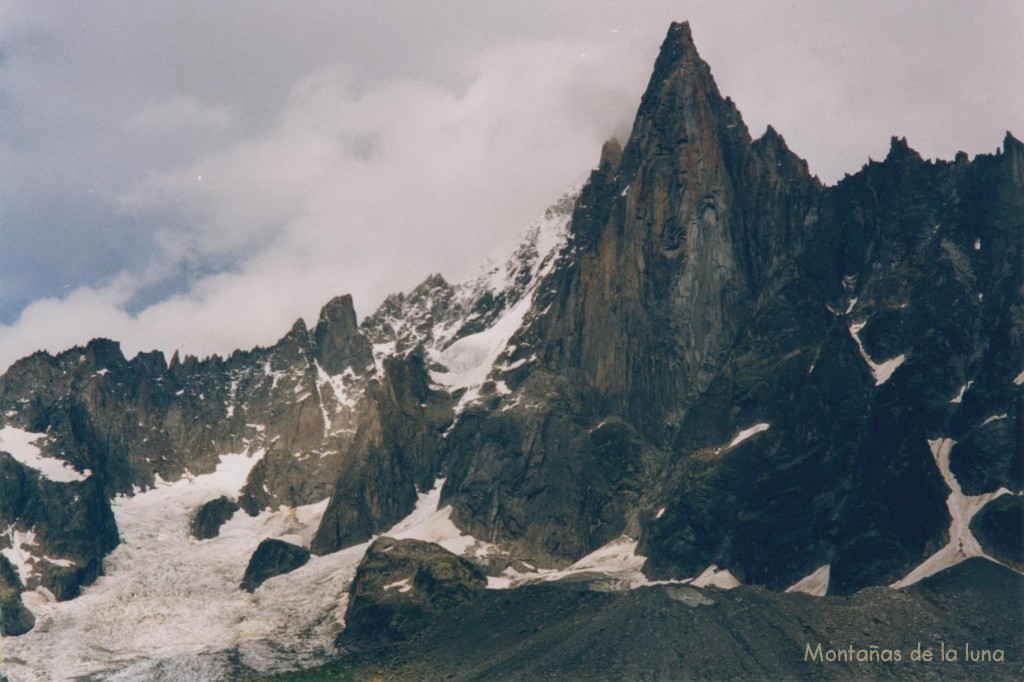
x,y
381,351
431,523
22,447
337,384
995,418
815,584
959,398
402,585
881,371
715,577
616,562
471,359
1020,379
232,398
748,432
962,508
18,553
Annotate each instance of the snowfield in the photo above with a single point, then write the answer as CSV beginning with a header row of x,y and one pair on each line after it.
x,y
169,597
170,606
21,445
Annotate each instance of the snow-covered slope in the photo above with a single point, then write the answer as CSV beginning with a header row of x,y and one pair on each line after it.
x,y
169,606
23,446
465,328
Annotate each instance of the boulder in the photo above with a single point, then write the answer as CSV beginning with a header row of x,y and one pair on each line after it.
x,y
272,558
402,585
211,516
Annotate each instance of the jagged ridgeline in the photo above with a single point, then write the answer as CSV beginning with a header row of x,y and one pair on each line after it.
x,y
703,349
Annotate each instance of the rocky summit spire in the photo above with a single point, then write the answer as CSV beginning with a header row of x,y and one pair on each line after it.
x,y
678,233
677,52
339,345
682,87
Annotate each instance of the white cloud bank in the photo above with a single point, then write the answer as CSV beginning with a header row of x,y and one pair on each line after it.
x,y
182,112
404,146
349,191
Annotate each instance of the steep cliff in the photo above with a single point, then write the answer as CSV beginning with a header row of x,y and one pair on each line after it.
x,y
748,374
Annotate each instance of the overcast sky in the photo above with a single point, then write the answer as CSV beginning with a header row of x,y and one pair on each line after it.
x,y
197,175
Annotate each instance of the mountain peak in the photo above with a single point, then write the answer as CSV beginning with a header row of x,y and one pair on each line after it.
x,y
900,149
339,344
299,329
340,310
611,153
679,36
1011,143
678,55
682,103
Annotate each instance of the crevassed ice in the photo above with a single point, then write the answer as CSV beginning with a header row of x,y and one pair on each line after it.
x,y
169,603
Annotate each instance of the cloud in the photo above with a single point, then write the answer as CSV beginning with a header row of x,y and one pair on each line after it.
x,y
177,178
350,190
182,112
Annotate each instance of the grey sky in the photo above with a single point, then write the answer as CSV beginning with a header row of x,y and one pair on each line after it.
x,y
196,175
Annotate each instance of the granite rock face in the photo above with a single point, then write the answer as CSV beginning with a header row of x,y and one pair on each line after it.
x,y
60,529
395,453
702,347
744,367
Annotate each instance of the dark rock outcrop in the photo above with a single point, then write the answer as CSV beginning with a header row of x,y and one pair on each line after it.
x,y
999,528
401,586
70,522
211,516
17,620
339,345
272,558
568,632
396,452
